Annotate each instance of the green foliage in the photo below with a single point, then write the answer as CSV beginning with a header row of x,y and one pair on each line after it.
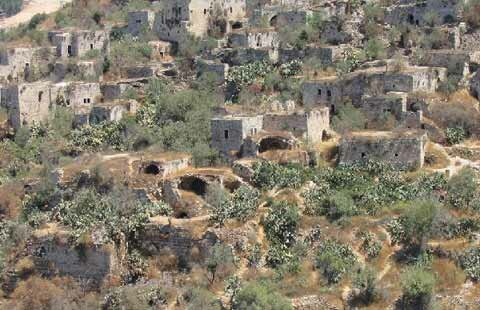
x,y
334,260
455,135
462,192
334,207
242,205
220,261
98,136
375,49
348,118
471,13
365,281
351,60
469,260
417,287
268,175
11,7
201,299
133,297
415,226
118,212
241,76
260,296
371,246
128,51
281,223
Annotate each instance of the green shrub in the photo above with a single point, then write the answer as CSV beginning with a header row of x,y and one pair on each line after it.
x,y
415,226
333,205
365,281
470,262
371,246
11,7
268,175
417,288
260,296
375,49
220,262
348,118
281,223
462,190
334,260
455,135
242,205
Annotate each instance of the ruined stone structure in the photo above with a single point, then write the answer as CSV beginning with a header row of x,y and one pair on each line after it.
x,y
160,50
229,133
457,62
32,103
254,38
404,150
77,43
140,21
331,91
112,111
217,69
247,135
94,265
15,63
415,12
178,19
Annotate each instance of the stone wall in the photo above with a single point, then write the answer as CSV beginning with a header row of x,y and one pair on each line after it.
x,y
218,70
78,43
139,21
92,264
16,62
311,126
403,150
254,38
229,133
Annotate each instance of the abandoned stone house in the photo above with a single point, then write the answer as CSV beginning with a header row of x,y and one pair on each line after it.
x,y
77,71
229,133
217,69
404,150
180,18
254,38
161,50
332,91
417,12
457,62
77,43
15,63
279,16
140,21
394,103
112,111
32,103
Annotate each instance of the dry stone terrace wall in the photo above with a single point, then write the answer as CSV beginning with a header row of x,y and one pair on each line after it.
x,y
91,264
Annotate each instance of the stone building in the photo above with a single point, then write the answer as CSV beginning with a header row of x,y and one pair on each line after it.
x,y
229,133
235,135
160,50
112,111
32,103
457,62
77,43
254,38
139,21
15,63
180,18
217,69
404,150
415,12
332,91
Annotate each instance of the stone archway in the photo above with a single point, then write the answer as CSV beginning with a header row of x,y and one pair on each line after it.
x,y
193,184
152,169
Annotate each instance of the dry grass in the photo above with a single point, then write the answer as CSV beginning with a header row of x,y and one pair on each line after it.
x,y
452,277
436,157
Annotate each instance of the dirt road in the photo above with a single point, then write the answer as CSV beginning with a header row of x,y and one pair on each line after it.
x,y
31,8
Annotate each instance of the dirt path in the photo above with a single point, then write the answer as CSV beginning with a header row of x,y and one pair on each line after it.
x,y
31,8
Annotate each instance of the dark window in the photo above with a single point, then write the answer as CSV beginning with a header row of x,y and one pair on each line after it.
x,y
91,46
138,21
396,155
225,133
205,11
40,96
329,93
319,92
69,50
364,155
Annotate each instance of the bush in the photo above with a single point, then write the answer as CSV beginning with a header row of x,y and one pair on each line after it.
x,y
260,296
220,262
455,135
268,175
11,7
462,190
201,299
334,206
371,246
281,223
375,49
470,262
417,288
334,260
348,118
415,226
242,205
365,281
